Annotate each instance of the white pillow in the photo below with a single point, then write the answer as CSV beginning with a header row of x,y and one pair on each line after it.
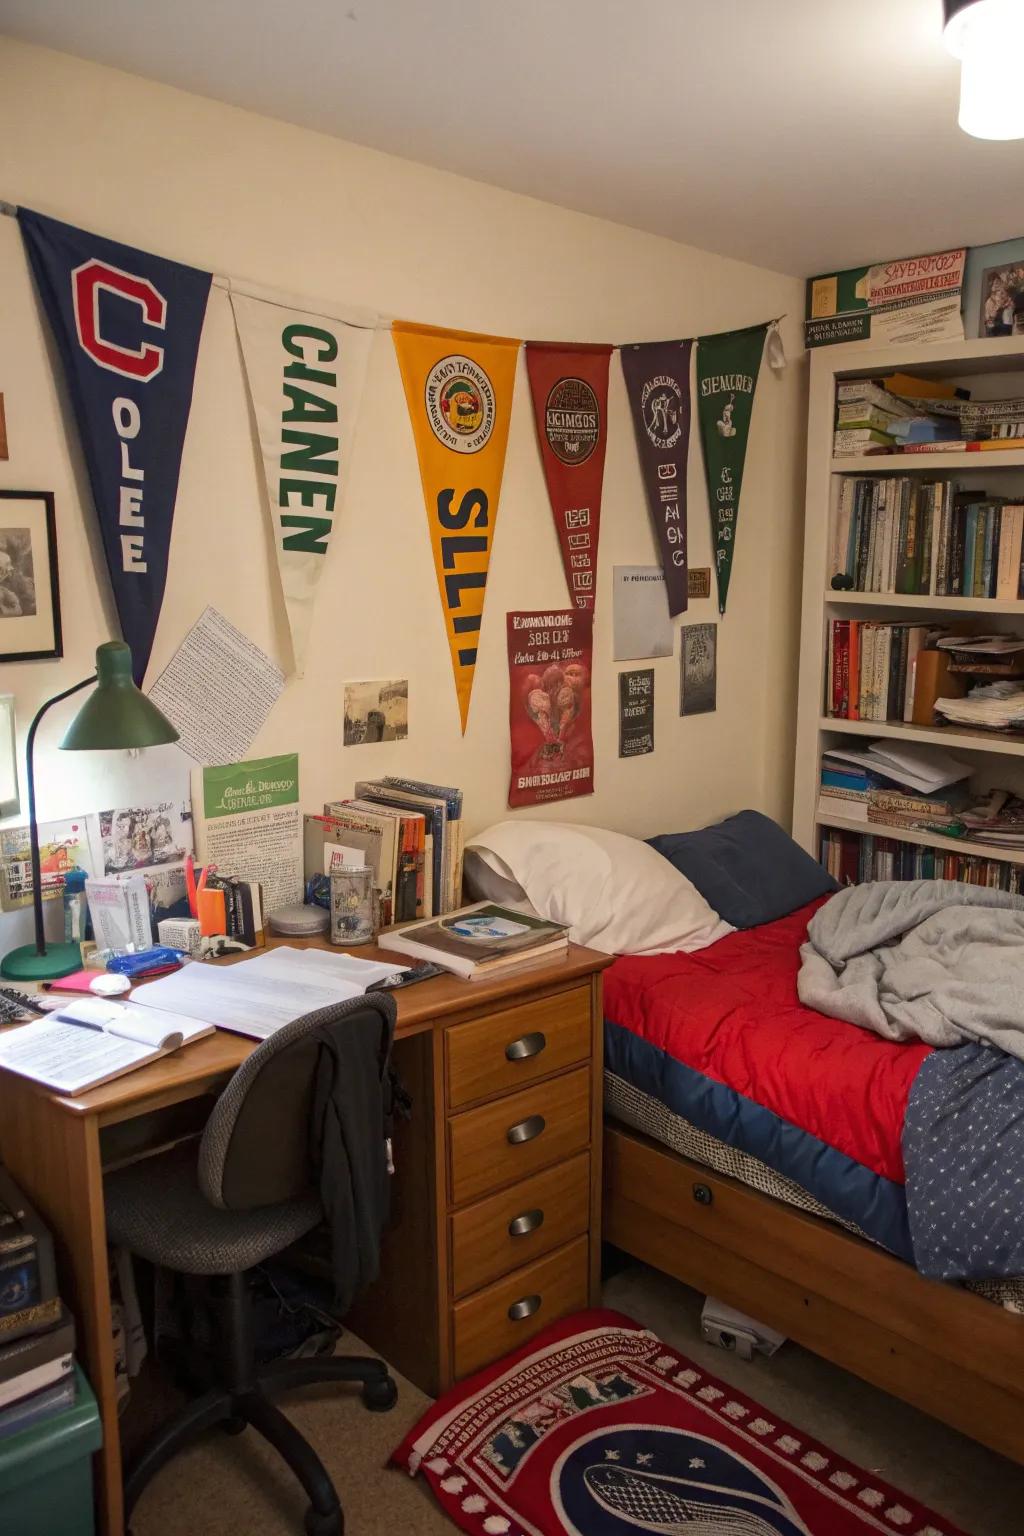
x,y
615,893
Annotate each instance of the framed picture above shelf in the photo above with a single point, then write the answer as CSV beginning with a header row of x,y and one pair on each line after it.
x,y
30,627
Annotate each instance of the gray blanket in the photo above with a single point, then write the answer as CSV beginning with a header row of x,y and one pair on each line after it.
x,y
931,960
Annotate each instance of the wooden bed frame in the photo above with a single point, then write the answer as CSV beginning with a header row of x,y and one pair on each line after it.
x,y
944,1350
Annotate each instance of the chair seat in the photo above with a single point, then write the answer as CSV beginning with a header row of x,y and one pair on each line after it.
x,y
156,1209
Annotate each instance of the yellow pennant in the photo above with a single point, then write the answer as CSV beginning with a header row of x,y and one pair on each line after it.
x,y
458,387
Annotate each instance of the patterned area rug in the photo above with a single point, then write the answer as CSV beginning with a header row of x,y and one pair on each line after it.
x,y
596,1428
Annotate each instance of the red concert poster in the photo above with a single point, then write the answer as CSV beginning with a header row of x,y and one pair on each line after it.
x,y
550,658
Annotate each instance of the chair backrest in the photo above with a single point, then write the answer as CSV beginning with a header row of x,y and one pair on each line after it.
x,y
255,1149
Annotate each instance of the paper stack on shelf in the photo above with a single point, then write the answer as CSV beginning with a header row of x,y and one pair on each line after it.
x,y
989,707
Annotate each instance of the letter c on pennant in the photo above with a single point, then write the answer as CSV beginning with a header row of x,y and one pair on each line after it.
x,y
87,282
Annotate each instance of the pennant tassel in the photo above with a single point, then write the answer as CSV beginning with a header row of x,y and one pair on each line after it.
x,y
305,374
127,326
727,370
569,386
657,375
458,388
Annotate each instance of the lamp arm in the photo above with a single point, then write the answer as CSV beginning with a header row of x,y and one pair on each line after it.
x,y
33,828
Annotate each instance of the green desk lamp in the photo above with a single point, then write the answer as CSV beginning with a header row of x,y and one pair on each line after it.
x,y
116,716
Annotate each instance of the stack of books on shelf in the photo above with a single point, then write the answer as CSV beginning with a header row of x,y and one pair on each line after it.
x,y
890,414
901,413
885,671
898,534
37,1333
920,788
409,832
997,819
994,701
853,857
481,940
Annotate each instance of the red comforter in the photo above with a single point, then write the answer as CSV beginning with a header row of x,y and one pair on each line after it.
x,y
732,1013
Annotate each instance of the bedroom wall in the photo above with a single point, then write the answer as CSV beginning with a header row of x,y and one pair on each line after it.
x,y
244,195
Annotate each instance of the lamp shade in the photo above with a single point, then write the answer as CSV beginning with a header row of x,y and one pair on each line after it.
x,y
116,714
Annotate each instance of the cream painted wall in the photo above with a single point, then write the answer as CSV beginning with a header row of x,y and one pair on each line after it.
x,y
243,195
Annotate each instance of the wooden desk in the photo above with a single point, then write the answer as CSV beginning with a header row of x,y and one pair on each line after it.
x,y
451,1269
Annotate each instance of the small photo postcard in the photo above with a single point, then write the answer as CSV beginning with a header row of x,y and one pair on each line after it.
x,y
376,711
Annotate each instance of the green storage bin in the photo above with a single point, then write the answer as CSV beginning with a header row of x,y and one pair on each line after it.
x,y
46,1472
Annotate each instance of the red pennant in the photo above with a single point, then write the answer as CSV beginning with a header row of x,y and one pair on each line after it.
x,y
569,386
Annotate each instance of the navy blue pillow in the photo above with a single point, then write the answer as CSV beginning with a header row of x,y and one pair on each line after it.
x,y
747,868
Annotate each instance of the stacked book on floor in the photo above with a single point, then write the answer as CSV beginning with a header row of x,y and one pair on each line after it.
x,y
853,857
37,1333
410,833
913,537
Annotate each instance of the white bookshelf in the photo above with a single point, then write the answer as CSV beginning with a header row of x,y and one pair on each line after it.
x,y
989,369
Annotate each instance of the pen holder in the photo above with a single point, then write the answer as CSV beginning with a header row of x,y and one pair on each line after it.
x,y
353,906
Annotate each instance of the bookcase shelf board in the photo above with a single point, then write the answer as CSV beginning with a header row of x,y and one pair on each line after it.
x,y
895,600
991,369
930,463
960,845
953,738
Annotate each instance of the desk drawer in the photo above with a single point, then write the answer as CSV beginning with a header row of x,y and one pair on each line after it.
x,y
520,1224
508,1313
515,1047
515,1136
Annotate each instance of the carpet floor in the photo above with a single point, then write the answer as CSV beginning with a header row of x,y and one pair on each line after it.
x,y
224,1486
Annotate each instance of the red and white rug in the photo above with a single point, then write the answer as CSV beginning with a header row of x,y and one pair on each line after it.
x,y
597,1428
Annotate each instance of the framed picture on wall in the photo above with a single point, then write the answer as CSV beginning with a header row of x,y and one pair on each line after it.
x,y
29,588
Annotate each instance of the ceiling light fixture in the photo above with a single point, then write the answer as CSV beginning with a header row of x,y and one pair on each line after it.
x,y
987,36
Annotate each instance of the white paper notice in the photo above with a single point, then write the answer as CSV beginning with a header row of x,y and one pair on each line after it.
x,y
641,625
217,690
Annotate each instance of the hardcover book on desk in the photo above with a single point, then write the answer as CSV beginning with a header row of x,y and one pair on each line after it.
x,y
480,940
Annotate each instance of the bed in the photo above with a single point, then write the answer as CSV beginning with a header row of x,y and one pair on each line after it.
x,y
753,1150
753,1147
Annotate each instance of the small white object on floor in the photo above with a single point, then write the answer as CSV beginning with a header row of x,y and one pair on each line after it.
x,y
729,1329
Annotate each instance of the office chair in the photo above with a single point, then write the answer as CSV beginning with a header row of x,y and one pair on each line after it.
x,y
250,1194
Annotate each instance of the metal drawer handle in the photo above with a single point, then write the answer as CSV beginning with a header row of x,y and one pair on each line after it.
x,y
526,1130
525,1046
529,1221
524,1308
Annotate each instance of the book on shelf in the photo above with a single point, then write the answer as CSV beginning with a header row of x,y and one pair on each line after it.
x,y
856,442
902,535
923,768
480,940
853,857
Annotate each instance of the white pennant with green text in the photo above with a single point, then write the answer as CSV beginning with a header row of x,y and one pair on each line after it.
x,y
305,373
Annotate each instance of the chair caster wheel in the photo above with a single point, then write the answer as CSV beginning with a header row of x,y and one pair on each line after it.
x,y
324,1525
380,1396
233,1426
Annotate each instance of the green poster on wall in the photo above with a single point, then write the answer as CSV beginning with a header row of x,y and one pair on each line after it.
x,y
727,368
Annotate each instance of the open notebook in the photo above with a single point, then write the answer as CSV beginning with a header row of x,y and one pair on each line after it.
x,y
94,1040
255,997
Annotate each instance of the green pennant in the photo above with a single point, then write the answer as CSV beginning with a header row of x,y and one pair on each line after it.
x,y
727,368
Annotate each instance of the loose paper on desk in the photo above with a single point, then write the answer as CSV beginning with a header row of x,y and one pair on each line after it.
x,y
217,690
251,825
242,997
